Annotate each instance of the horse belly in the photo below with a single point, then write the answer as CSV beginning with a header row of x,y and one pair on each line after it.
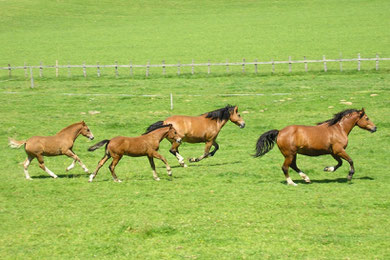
x,y
312,151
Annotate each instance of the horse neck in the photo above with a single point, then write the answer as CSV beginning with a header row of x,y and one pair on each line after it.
x,y
70,132
348,123
160,134
218,123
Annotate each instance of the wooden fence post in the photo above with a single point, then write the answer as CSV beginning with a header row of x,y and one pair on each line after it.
x,y
256,66
116,69
358,68
56,68
163,67
243,65
9,70
178,68
273,66
131,69
341,62
69,71
84,70
289,64
208,69
147,69
325,67
304,60
98,69
377,62
40,69
32,77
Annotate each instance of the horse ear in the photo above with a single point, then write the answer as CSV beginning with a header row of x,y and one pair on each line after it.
x,y
362,112
83,122
236,109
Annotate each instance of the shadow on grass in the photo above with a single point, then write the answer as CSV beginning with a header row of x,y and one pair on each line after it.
x,y
61,176
338,180
190,164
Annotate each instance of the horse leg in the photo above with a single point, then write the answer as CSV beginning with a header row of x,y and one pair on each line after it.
x,y
155,176
287,162
26,164
346,157
205,154
295,168
100,165
175,151
114,162
71,154
334,168
216,147
162,158
43,167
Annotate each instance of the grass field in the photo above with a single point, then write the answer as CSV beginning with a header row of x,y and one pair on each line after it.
x,y
228,206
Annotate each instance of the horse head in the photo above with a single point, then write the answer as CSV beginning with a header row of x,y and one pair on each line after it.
x,y
364,122
236,118
173,134
85,131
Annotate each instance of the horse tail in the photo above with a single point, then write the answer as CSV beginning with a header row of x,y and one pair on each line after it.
x,y
266,142
14,143
98,145
154,126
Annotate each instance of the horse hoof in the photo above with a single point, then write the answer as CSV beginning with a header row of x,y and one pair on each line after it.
x,y
117,180
292,184
157,179
29,179
329,169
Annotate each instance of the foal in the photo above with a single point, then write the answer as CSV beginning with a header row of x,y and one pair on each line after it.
x,y
328,137
59,144
144,145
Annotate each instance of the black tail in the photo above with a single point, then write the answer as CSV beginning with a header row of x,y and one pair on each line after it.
x,y
156,125
266,142
98,145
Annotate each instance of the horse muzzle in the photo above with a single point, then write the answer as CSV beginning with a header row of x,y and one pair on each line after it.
x,y
242,125
178,140
91,137
373,130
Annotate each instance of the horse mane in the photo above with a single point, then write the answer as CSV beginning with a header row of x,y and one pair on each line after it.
x,y
337,117
69,126
220,114
155,128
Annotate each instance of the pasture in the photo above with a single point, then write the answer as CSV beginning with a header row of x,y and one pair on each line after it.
x,y
228,206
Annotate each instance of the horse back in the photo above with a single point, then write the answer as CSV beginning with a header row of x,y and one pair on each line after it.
x,y
46,145
194,129
131,146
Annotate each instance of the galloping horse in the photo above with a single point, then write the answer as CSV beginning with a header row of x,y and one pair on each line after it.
x,y
144,145
59,144
199,129
328,137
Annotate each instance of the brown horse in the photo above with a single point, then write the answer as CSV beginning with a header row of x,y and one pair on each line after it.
x,y
198,129
328,137
144,145
59,144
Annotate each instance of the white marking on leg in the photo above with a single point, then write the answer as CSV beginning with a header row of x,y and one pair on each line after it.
x,y
329,169
305,177
70,167
91,177
83,166
50,173
290,182
181,160
26,164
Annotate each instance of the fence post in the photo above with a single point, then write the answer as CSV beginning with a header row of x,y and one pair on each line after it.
x,y
9,70
116,69
208,69
32,77
163,67
40,69
256,66
304,60
192,68
273,66
358,68
98,69
84,70
56,68
341,62
243,65
289,63
69,72
131,69
147,69
178,68
377,62
227,66
25,70
325,67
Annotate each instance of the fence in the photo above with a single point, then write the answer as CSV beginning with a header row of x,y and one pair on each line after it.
x,y
244,64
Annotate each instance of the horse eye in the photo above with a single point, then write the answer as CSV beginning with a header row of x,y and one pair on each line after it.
x,y
88,130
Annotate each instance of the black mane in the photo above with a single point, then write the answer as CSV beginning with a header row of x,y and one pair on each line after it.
x,y
155,128
337,117
220,114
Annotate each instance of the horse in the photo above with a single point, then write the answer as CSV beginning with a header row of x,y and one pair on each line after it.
x,y
144,145
198,129
59,144
328,137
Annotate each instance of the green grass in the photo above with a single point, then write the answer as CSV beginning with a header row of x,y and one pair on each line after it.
x,y
227,206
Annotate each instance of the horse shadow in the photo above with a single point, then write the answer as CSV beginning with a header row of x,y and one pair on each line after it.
x,y
190,164
75,175
337,180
